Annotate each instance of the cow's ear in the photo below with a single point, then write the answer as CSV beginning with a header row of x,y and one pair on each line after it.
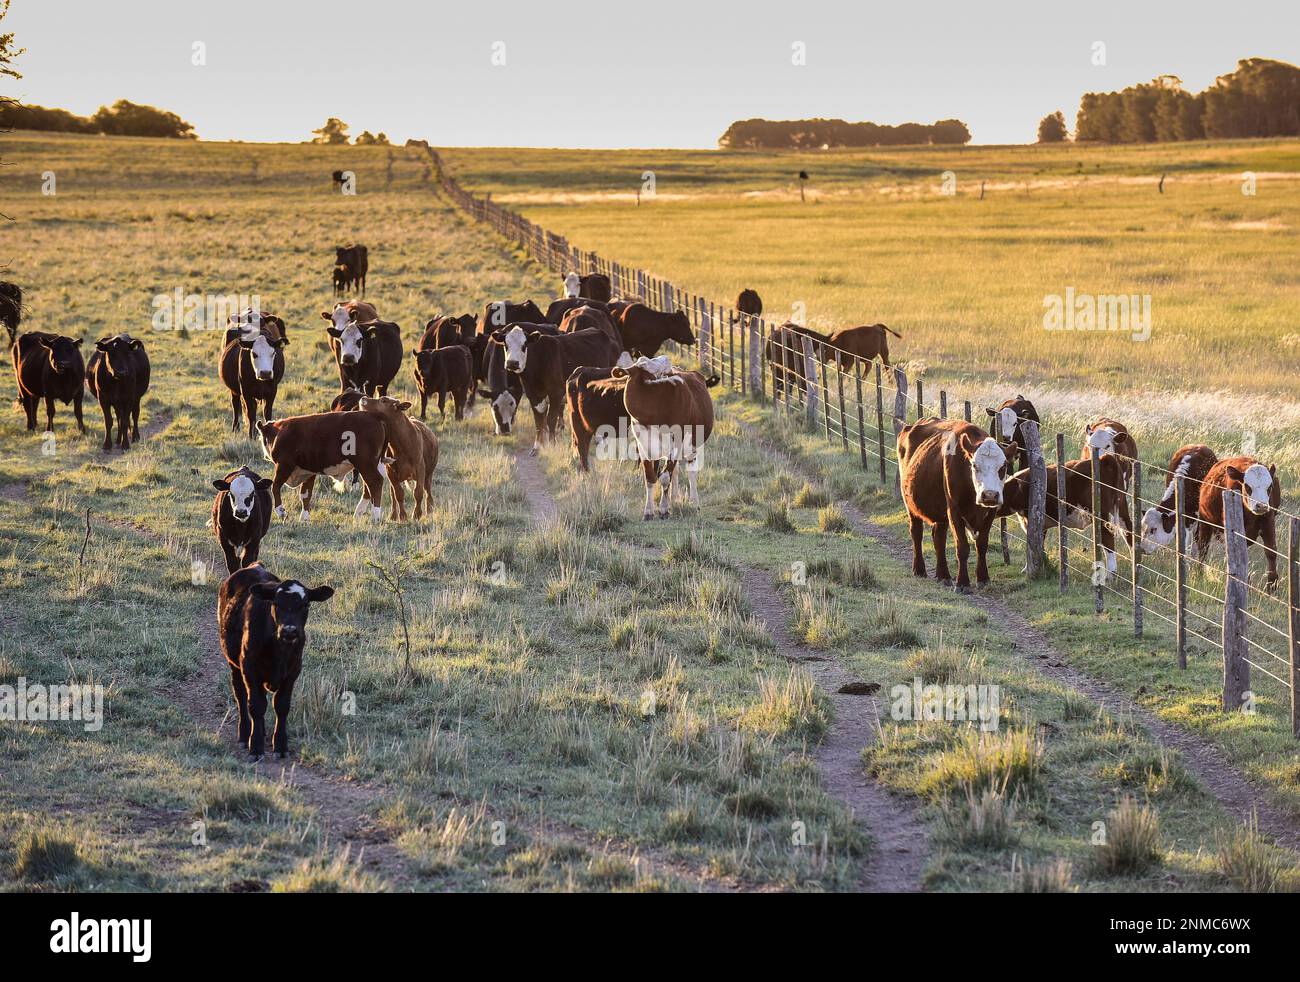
x,y
265,591
991,412
221,485
618,372
1232,474
1272,470
498,336
403,406
281,342
968,445
136,344
263,483
320,594
325,316
77,342
333,332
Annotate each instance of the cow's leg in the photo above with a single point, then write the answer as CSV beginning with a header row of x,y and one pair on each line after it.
x,y
282,475
918,558
442,404
458,397
240,689
257,710
232,562
962,541
582,445
280,738
250,410
304,497
372,476
268,406
651,478
396,498
1108,551
1268,532
76,409
1204,531
135,420
939,536
251,549
29,407
236,415
539,424
49,414
108,425
424,404
124,427
982,553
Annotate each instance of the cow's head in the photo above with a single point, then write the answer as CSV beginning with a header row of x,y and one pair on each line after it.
x,y
1259,487
62,353
988,467
516,341
1011,417
117,354
340,252
648,370
1158,528
250,318
338,317
289,603
267,430
572,284
262,351
351,338
679,328
385,406
504,406
1101,437
426,364
241,492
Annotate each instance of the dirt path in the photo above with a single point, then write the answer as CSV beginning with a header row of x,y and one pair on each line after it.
x,y
1210,765
901,842
533,482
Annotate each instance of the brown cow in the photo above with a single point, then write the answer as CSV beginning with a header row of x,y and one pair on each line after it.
x,y
595,407
672,417
1261,496
445,330
644,330
952,474
867,342
784,353
1011,417
499,314
1192,463
582,318
1109,436
118,376
333,444
406,448
1078,501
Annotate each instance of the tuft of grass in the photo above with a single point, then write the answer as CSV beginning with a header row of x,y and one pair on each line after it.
x,y
791,705
46,855
776,518
227,798
818,618
1132,842
811,496
1251,864
319,875
832,519
886,627
944,664
1010,760
849,572
981,819
1051,877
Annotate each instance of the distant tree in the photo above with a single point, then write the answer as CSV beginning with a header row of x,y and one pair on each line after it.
x,y
381,139
335,132
366,139
950,132
126,118
816,134
1051,129
20,117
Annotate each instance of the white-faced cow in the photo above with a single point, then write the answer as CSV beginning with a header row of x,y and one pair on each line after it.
x,y
250,320
1160,524
49,367
1261,496
368,354
262,623
1011,416
118,376
952,474
241,515
572,284
1110,436
251,368
503,390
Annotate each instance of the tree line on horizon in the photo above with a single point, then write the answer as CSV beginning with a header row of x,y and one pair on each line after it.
x,y
816,134
122,118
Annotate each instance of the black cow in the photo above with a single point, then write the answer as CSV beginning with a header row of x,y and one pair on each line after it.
x,y
368,355
262,622
500,314
241,515
595,286
503,390
558,308
11,308
49,367
355,261
443,372
645,330
251,368
118,376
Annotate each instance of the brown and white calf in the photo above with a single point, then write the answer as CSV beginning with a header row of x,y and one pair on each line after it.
x,y
329,444
262,623
241,515
1261,496
1110,436
544,363
442,372
404,456
672,416
1011,417
952,477
118,376
1077,513
1159,525
251,367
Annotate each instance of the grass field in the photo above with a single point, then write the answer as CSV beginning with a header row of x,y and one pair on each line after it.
x,y
591,704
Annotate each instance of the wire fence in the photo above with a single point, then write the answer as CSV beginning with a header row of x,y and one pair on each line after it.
x,y
1243,610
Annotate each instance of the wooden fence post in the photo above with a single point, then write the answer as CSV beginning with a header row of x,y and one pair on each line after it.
x,y
862,419
1062,554
1293,605
757,384
900,418
809,379
744,357
943,403
880,424
1098,557
1037,517
705,339
1180,572
966,410
1135,505
826,391
1236,671
839,383
1003,539
920,398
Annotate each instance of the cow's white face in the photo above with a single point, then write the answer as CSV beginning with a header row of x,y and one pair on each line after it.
x,y
350,342
262,353
1008,420
987,467
503,412
572,284
1255,486
340,317
1154,535
1103,439
516,342
242,494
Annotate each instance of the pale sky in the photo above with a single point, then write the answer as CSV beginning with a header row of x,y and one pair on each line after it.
x,y
620,73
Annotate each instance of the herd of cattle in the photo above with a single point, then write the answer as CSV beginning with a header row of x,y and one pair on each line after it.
x,y
598,357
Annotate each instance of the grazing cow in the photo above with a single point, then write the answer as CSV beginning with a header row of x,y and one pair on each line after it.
x,y
1077,513
866,342
11,308
118,376
544,362
241,515
672,417
368,354
572,284
49,367
1011,416
262,622
248,322
441,331
1192,463
503,390
500,314
749,303
405,449
356,261
584,318
595,286
644,330
333,444
1108,436
445,371
952,474
1261,496
251,368
784,353
337,177
558,308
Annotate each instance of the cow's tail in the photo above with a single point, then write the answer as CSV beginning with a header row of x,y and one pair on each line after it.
x,y
891,331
